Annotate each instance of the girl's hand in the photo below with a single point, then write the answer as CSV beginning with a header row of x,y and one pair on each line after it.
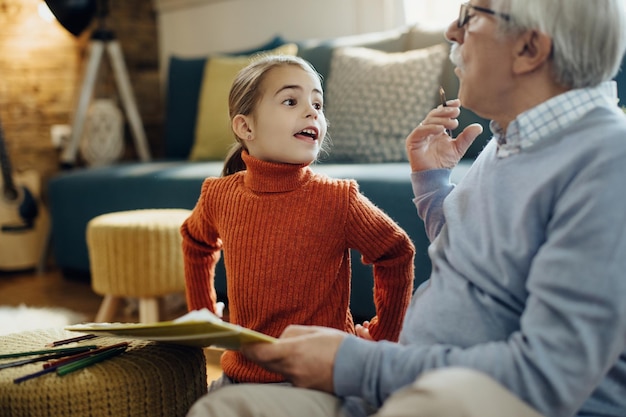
x,y
219,309
363,330
428,146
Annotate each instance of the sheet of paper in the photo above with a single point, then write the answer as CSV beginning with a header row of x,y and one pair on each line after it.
x,y
197,328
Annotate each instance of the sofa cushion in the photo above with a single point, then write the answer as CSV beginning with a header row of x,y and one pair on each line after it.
x,y
184,79
375,99
419,38
213,133
319,52
181,107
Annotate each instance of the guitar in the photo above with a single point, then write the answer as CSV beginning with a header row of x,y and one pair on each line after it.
x,y
23,219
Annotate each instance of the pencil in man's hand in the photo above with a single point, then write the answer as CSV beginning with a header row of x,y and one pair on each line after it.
x,y
442,97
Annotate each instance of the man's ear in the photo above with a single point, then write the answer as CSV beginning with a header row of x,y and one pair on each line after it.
x,y
533,50
241,127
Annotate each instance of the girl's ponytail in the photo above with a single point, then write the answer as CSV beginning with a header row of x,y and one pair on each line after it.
x,y
233,162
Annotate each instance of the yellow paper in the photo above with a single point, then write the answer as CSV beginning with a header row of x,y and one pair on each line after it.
x,y
199,328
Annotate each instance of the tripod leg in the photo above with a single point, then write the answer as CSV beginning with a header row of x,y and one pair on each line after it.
x,y
128,99
96,49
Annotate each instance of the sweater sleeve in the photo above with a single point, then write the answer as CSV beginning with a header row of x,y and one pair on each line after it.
x,y
201,252
430,189
389,249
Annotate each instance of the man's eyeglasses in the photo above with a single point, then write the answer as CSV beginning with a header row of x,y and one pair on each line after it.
x,y
464,15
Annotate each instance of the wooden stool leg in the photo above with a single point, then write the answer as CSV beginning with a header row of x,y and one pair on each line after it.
x,y
107,309
148,310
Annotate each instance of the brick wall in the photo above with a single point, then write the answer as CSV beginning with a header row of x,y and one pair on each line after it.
x,y
41,70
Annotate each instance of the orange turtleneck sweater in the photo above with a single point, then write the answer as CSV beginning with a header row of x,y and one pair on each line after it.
x,y
286,233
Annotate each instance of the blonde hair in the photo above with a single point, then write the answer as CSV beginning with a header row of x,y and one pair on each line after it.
x,y
246,92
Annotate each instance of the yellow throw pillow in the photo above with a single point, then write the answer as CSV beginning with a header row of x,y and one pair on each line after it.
x,y
213,133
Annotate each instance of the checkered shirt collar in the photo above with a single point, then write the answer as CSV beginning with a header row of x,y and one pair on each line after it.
x,y
554,114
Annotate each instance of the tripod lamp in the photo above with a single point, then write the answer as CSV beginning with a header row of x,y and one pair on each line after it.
x,y
75,16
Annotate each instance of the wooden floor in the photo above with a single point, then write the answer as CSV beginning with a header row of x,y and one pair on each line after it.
x,y
51,289
48,289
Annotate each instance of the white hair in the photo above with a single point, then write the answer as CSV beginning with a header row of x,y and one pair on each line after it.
x,y
588,36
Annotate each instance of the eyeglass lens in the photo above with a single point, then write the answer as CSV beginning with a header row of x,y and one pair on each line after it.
x,y
462,15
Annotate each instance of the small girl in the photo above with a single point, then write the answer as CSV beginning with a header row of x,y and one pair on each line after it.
x,y
286,232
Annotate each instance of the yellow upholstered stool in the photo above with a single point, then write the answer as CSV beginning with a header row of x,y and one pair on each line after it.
x,y
148,379
136,253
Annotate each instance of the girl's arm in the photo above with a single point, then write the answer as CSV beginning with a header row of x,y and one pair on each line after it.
x,y
201,252
386,246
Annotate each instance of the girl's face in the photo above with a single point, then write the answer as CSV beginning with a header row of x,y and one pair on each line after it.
x,y
288,123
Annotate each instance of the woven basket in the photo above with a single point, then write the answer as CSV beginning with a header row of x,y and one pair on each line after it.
x,y
149,379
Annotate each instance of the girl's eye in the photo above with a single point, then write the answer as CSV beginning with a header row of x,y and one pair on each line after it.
x,y
290,102
318,106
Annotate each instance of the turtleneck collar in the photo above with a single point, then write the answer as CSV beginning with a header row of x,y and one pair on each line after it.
x,y
272,177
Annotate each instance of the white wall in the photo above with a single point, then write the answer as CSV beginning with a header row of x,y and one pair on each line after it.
x,y
190,28
431,14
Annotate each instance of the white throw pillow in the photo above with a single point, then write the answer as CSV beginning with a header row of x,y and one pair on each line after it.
x,y
375,99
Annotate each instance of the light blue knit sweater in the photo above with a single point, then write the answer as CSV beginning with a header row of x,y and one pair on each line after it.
x,y
529,274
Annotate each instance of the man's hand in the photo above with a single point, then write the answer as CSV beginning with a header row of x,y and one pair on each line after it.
x,y
304,354
429,147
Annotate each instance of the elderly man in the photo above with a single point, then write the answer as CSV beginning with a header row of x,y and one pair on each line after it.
x,y
524,313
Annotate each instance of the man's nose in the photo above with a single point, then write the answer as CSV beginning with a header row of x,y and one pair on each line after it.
x,y
454,33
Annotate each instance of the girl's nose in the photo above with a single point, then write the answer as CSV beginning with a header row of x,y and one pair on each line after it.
x,y
311,111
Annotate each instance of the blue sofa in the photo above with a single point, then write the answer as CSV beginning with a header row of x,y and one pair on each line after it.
x,y
173,181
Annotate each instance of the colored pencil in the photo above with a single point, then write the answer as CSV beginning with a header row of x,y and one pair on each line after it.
x,y
71,340
45,357
88,361
72,358
51,367
68,350
444,103
33,375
